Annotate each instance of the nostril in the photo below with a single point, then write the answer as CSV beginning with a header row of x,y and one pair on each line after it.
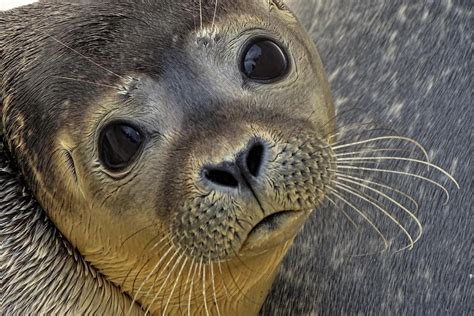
x,y
255,159
221,177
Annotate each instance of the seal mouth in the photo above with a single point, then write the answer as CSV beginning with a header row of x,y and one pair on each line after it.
x,y
272,231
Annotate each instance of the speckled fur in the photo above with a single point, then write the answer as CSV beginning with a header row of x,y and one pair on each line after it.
x,y
409,64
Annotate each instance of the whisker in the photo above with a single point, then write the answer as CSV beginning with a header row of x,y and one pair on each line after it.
x,y
236,284
143,266
410,213
346,130
337,207
82,55
188,276
368,220
342,166
191,289
175,284
165,281
444,172
200,14
366,198
229,295
397,203
214,16
214,286
134,234
343,212
354,153
86,81
336,146
163,269
269,9
147,278
204,288
344,176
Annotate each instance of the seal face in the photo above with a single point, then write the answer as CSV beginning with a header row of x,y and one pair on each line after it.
x,y
180,146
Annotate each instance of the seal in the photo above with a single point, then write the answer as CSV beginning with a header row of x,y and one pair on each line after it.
x,y
171,143
176,148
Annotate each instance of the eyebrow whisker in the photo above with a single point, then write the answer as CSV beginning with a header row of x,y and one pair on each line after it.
x,y
83,56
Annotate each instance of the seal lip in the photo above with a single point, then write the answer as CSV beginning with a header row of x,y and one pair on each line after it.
x,y
273,230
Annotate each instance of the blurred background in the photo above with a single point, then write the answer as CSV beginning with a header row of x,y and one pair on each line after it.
x,y
8,4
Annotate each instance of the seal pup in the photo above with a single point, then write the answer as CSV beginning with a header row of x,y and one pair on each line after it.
x,y
178,146
186,204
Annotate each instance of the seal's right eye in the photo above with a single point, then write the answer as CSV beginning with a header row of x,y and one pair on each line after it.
x,y
119,145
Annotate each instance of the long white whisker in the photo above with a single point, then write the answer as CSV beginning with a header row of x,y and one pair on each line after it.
x,y
450,177
344,176
200,13
166,279
336,146
87,81
191,289
365,197
417,221
214,286
189,275
156,267
343,212
150,274
368,151
371,223
161,272
214,16
342,166
143,266
229,295
174,286
83,56
204,288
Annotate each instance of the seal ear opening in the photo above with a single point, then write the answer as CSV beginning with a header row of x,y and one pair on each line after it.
x,y
70,164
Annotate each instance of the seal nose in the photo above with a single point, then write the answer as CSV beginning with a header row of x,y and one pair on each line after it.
x,y
251,160
247,166
222,176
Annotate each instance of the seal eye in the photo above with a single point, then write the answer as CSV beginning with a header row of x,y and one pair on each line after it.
x,y
264,60
119,144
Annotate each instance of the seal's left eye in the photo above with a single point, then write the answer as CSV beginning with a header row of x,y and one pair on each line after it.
x,y
264,60
119,145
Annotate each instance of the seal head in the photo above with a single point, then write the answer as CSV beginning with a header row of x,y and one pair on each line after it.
x,y
179,146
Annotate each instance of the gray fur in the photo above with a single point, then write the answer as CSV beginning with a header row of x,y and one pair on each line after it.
x,y
409,63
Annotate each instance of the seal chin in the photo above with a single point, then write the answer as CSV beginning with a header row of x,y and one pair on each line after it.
x,y
273,231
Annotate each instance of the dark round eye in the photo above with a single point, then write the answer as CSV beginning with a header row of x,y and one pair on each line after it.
x,y
119,145
264,60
